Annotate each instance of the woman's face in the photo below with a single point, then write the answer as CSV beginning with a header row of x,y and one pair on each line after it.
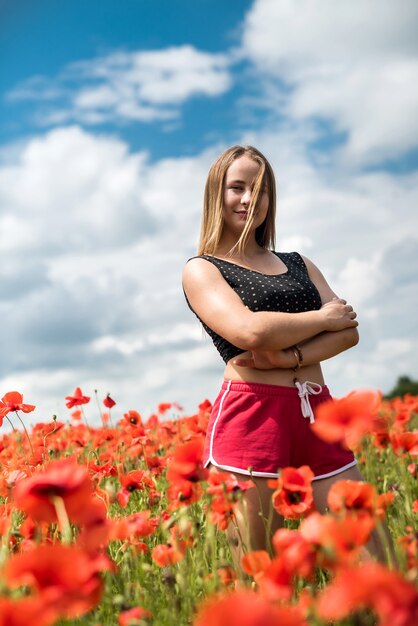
x,y
238,190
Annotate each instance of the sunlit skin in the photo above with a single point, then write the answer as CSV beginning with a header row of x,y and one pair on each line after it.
x,y
270,361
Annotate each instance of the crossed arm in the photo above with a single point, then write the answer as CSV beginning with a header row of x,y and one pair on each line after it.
x,y
320,347
269,335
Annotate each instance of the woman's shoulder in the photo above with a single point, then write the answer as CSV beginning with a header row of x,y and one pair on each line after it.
x,y
198,267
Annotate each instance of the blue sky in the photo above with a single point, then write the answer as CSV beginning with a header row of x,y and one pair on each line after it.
x,y
41,38
111,114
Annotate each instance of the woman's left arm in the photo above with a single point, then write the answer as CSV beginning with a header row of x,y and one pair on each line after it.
x,y
314,350
319,348
328,344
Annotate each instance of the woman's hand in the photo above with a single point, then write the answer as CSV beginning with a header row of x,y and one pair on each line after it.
x,y
338,315
267,360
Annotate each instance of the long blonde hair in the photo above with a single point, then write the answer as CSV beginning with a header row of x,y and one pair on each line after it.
x,y
212,219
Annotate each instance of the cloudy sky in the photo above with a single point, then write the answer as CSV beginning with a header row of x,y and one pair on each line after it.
x,y
110,116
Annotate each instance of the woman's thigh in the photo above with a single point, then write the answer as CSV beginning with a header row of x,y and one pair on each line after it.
x,y
256,516
322,486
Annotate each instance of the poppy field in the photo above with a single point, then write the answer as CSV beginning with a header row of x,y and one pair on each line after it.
x,y
120,525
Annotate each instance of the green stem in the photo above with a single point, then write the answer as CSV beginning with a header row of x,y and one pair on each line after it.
x,y
26,433
63,521
10,422
54,418
98,404
85,418
100,410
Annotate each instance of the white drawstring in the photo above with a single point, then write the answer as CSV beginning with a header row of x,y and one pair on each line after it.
x,y
304,390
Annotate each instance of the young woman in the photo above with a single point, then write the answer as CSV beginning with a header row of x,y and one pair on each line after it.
x,y
273,318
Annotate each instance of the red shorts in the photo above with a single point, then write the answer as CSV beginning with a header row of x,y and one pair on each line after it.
x,y
257,429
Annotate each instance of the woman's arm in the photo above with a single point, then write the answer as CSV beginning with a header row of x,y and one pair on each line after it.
x,y
320,348
220,308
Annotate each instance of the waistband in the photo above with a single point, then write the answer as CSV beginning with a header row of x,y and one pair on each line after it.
x,y
266,389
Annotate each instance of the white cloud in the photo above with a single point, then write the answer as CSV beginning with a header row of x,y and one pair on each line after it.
x,y
137,86
373,279
296,39
68,189
374,103
353,64
96,240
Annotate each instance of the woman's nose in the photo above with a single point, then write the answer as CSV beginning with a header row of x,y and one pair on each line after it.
x,y
246,197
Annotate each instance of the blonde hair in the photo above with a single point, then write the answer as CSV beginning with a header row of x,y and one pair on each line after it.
x,y
212,219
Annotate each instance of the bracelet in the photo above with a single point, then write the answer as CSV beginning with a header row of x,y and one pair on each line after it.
x,y
296,353
299,353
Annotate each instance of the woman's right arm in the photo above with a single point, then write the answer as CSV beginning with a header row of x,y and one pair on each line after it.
x,y
220,308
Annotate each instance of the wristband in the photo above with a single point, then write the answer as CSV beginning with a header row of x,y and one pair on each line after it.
x,y
296,353
299,351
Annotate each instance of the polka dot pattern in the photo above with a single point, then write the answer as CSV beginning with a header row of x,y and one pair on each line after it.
x,y
291,292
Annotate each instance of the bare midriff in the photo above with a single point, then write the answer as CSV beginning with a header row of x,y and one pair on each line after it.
x,y
278,376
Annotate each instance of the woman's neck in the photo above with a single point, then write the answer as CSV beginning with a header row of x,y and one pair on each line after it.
x,y
252,249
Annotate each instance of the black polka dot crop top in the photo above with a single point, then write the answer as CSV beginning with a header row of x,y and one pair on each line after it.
x,y
291,292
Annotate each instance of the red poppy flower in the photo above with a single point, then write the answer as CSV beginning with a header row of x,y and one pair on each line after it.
x,y
348,419
384,500
183,493
66,577
352,495
140,524
220,482
64,479
163,407
293,549
133,616
255,562
96,532
358,498
405,443
246,608
13,401
225,488
227,575
276,581
409,544
77,399
5,518
182,535
109,402
164,554
133,481
294,497
33,611
133,417
186,462
338,541
412,469
387,593
48,428
222,510
205,406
